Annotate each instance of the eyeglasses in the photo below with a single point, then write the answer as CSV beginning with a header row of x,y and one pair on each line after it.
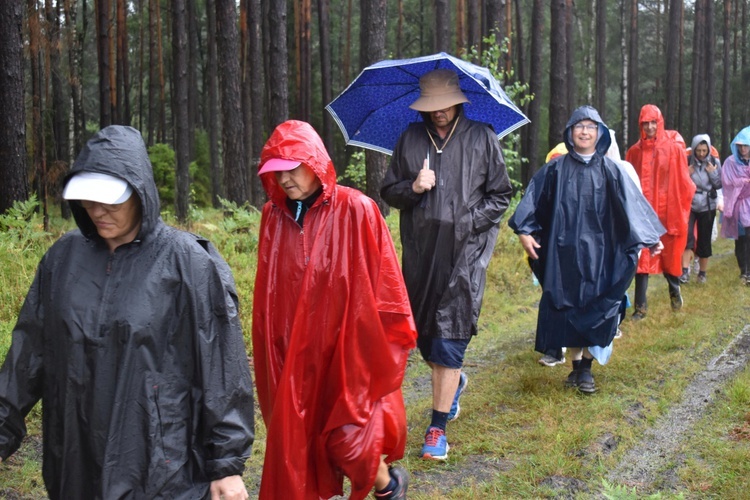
x,y
88,205
579,127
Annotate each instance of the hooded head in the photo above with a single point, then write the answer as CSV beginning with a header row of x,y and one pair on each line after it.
x,y
295,142
697,141
602,133
742,138
116,159
651,113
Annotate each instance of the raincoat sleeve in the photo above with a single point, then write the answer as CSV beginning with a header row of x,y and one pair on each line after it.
x,y
497,191
227,423
22,372
683,188
524,219
396,189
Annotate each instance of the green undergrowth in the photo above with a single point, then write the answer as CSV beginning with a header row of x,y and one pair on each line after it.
x,y
521,433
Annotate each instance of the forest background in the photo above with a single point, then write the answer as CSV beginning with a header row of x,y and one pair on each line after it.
x,y
206,81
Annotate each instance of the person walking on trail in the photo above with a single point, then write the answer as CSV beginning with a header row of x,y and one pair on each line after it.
x,y
131,337
448,179
582,222
705,172
332,330
661,165
735,177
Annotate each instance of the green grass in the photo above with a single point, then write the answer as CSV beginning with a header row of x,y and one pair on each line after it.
x,y
521,434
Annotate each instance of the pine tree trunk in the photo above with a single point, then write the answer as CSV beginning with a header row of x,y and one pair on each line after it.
x,y
708,70
698,86
632,77
257,98
278,70
372,49
326,88
673,77
180,108
558,94
532,149
725,81
233,130
601,57
102,30
213,105
442,26
14,184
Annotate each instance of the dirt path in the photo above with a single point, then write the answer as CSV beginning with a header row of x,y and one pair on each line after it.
x,y
653,462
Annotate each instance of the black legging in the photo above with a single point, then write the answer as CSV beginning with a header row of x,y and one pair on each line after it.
x,y
742,252
641,286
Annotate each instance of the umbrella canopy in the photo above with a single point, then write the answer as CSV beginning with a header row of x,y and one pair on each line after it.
x,y
374,110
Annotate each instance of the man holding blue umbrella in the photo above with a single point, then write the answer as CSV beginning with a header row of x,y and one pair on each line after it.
x,y
448,178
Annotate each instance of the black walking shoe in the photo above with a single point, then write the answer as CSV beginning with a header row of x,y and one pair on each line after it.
x,y
585,382
675,300
572,380
401,477
640,313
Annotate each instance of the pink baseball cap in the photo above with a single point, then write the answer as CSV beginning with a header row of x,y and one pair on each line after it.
x,y
278,165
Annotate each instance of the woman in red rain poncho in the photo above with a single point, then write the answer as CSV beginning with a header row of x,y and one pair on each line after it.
x,y
661,165
332,328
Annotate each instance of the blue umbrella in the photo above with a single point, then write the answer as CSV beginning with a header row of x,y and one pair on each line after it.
x,y
374,110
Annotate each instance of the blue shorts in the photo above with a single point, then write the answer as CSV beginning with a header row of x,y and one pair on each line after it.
x,y
443,352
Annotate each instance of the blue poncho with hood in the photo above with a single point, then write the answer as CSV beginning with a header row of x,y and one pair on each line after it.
x,y
137,354
590,220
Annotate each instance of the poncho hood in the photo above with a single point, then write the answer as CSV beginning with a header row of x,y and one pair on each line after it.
x,y
699,139
743,137
119,151
298,141
587,113
651,113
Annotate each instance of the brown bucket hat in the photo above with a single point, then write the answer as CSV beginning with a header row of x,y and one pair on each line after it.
x,y
438,90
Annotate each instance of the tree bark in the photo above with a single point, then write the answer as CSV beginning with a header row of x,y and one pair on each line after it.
x,y
632,77
725,82
558,81
180,108
326,88
672,76
473,23
570,74
442,26
233,130
102,30
212,76
153,80
708,70
14,185
256,98
123,65
278,70
698,85
532,146
601,57
372,49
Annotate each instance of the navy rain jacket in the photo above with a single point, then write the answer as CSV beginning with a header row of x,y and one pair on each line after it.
x,y
590,220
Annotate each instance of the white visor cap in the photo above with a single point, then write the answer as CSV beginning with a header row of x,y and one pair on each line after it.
x,y
93,186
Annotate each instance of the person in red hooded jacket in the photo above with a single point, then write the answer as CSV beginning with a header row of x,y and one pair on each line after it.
x,y
662,168
332,330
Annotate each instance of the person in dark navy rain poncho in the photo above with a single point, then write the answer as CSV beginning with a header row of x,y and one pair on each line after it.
x,y
130,335
582,222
